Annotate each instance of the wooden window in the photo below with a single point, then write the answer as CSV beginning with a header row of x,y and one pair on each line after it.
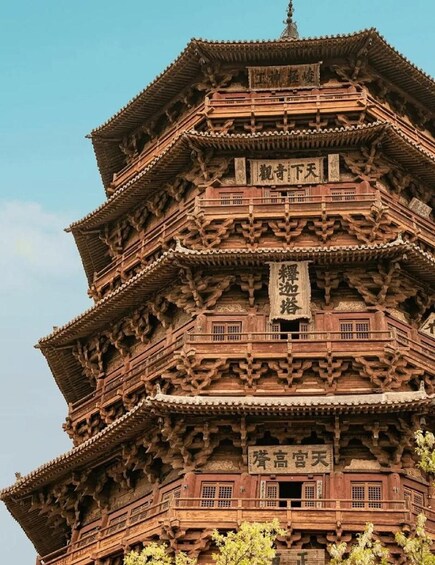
x,y
226,331
273,330
216,495
355,329
271,492
366,495
340,195
140,512
117,523
87,536
414,500
400,334
170,496
309,495
231,198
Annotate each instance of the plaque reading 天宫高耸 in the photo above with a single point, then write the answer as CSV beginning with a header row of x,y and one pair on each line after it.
x,y
290,459
284,76
287,171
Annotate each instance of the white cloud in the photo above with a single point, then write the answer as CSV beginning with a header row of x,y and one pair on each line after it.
x,y
35,250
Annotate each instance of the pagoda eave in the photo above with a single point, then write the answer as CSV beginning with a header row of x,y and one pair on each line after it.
x,y
147,411
156,275
177,155
387,60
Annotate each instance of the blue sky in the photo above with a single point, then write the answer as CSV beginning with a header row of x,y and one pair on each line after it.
x,y
65,67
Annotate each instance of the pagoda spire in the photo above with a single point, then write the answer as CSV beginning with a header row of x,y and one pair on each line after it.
x,y
291,29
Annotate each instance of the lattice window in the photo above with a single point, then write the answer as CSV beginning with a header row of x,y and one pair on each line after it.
x,y
87,536
231,198
170,496
140,512
226,331
340,195
400,334
414,500
272,492
309,495
366,495
355,329
273,330
117,523
216,495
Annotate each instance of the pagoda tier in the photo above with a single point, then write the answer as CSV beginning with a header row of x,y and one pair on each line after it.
x,y
261,340
119,230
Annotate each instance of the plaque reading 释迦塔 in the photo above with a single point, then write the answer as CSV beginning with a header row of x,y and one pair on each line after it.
x,y
290,459
287,171
284,76
301,557
289,291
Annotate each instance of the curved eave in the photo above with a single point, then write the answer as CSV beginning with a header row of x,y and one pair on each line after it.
x,y
96,450
93,451
57,346
291,405
162,271
177,156
386,60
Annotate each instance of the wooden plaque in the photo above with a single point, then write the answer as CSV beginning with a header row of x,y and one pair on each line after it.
x,y
286,76
287,171
240,170
290,459
428,327
334,168
420,208
301,557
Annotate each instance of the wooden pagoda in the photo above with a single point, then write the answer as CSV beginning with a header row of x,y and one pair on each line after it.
x,y
262,338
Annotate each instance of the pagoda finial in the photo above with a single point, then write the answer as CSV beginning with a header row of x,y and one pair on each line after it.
x,y
291,29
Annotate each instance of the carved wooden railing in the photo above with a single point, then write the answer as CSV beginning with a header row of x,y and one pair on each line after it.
x,y
162,236
309,344
159,355
303,513
228,105
151,245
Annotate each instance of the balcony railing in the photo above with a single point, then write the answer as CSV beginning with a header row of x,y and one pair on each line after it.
x,y
340,202
225,105
303,513
274,343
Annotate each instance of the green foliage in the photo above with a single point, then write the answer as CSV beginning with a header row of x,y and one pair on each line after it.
x,y
417,546
157,554
365,552
252,544
426,450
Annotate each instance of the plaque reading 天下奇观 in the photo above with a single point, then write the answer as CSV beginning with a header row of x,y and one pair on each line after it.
x,y
287,171
290,459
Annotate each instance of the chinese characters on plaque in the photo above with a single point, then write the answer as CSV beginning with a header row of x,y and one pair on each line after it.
x,y
301,557
428,327
289,291
287,171
286,76
420,208
290,459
